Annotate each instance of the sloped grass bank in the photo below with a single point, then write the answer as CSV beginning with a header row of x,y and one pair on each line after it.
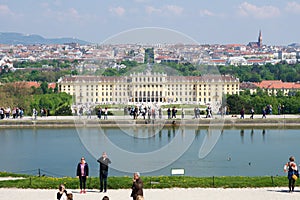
x,y
149,182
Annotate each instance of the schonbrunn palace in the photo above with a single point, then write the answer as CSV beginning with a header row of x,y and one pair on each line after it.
x,y
148,87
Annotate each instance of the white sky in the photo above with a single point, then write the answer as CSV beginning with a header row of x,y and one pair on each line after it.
x,y
207,22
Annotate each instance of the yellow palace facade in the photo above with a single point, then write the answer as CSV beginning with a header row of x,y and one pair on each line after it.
x,y
148,87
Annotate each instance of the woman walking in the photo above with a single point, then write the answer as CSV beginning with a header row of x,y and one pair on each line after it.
x,y
292,169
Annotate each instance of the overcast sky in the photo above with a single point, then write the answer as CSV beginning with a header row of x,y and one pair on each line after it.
x,y
205,21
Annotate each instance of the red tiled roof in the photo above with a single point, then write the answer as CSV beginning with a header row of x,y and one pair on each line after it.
x,y
162,58
51,85
233,45
29,84
247,85
256,60
218,60
277,84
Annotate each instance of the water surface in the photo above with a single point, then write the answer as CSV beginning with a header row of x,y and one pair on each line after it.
x,y
56,152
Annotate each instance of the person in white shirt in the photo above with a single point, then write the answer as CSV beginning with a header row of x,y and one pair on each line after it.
x,y
62,193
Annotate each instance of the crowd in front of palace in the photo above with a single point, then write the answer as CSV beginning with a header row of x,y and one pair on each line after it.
x,y
14,113
143,111
18,113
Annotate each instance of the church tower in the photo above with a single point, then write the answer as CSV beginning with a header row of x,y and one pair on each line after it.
x,y
259,42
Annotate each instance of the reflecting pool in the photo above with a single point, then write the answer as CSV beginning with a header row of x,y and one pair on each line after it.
x,y
201,152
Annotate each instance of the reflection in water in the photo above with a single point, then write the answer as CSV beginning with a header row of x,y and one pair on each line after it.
x,y
264,135
173,128
197,133
141,149
182,132
169,134
135,132
209,142
251,135
237,152
242,135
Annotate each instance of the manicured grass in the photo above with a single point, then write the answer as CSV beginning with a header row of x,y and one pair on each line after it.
x,y
149,182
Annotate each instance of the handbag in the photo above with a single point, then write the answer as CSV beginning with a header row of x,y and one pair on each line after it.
x,y
295,177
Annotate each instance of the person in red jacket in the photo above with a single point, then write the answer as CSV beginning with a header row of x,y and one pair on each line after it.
x,y
82,174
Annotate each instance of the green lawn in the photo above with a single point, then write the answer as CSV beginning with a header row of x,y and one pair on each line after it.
x,y
149,182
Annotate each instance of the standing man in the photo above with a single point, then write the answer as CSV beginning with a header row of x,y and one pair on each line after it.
x,y
242,112
99,112
34,112
137,186
169,113
264,113
174,111
103,172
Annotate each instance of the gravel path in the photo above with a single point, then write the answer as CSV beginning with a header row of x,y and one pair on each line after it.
x,y
157,194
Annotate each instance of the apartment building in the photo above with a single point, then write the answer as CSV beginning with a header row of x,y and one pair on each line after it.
x,y
149,87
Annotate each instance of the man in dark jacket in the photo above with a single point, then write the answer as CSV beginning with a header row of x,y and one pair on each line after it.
x,y
103,172
137,186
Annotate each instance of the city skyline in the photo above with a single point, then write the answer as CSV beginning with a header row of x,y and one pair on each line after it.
x,y
210,22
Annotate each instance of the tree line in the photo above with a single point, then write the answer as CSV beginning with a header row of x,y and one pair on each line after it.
x,y
253,73
16,95
257,73
261,100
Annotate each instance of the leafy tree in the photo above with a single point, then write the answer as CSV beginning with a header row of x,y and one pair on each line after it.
x,y
110,72
63,110
261,100
44,87
36,91
235,103
149,55
129,63
74,72
53,102
46,102
254,78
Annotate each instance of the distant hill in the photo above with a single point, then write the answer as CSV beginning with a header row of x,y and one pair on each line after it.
x,y
19,38
294,45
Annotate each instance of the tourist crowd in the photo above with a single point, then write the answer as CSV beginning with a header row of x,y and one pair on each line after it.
x,y
14,113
